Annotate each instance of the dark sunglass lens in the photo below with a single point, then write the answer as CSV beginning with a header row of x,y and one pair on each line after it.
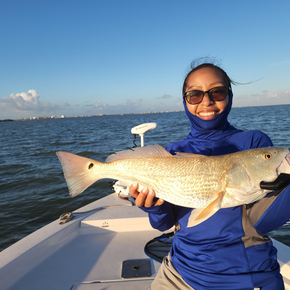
x,y
194,97
219,94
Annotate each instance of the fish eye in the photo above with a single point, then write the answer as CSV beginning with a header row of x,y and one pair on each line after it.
x,y
268,156
90,165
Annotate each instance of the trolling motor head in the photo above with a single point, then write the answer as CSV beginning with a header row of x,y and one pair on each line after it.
x,y
121,190
141,129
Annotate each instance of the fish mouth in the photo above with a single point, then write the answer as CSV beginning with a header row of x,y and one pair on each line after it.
x,y
288,158
285,165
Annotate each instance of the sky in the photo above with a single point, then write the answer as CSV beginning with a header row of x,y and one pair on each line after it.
x,y
91,57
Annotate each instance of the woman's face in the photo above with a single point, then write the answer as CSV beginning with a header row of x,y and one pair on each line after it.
x,y
205,79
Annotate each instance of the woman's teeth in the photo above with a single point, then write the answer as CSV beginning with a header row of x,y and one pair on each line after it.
x,y
207,113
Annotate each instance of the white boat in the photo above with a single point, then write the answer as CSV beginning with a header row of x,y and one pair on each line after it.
x,y
101,247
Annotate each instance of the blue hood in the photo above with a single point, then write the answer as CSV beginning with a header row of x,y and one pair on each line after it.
x,y
211,129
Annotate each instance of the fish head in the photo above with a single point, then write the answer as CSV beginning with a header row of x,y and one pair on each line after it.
x,y
265,164
250,167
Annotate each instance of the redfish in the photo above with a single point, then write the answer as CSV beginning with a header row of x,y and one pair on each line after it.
x,y
206,183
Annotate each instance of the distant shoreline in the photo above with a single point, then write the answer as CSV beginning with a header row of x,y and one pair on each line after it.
x,y
87,116
6,120
119,114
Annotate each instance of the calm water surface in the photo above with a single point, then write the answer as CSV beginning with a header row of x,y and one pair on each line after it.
x,y
32,188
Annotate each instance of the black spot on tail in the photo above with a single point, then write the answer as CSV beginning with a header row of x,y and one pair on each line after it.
x,y
91,165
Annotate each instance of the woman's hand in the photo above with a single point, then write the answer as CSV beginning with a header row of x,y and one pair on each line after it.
x,y
145,197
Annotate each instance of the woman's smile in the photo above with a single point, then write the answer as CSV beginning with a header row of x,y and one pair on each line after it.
x,y
207,115
205,79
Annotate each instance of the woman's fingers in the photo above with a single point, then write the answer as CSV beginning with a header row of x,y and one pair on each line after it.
x,y
150,198
159,201
141,200
144,198
133,190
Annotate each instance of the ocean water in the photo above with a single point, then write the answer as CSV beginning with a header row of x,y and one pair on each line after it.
x,y
33,191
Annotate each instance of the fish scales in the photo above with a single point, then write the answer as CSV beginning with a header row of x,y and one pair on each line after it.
x,y
185,181
189,180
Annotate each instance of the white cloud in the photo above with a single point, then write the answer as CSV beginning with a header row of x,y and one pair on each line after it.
x,y
165,96
129,106
28,104
279,96
163,103
22,101
100,106
265,98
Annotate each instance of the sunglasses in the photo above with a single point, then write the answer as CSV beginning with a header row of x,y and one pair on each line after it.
x,y
216,94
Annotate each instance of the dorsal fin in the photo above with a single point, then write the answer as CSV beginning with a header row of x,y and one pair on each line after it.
x,y
148,151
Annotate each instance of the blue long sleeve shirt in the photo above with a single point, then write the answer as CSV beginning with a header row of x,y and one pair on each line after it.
x,y
231,249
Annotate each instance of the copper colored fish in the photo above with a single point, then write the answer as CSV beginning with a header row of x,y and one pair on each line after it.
x,y
206,183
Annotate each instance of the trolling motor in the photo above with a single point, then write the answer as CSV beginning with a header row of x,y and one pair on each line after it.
x,y
141,129
123,191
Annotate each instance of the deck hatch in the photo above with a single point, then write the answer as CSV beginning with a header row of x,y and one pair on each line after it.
x,y
136,268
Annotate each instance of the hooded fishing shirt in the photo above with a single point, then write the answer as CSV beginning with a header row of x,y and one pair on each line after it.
x,y
231,249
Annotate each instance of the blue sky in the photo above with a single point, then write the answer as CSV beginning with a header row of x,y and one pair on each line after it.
x,y
88,57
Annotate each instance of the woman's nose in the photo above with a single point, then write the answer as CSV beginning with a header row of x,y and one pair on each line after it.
x,y
206,101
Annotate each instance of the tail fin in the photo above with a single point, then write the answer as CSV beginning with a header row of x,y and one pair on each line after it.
x,y
79,172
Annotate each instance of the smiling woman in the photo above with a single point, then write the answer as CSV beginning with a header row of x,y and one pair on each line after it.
x,y
206,93
198,257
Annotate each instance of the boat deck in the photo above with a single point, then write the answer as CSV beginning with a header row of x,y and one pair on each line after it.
x,y
85,253
88,252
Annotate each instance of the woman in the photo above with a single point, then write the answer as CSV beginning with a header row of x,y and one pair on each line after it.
x,y
231,249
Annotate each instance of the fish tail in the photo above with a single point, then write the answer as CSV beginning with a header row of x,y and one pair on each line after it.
x,y
79,172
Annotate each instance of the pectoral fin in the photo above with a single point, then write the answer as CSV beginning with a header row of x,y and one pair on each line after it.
x,y
199,215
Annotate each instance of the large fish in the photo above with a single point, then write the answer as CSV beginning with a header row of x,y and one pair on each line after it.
x,y
206,183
